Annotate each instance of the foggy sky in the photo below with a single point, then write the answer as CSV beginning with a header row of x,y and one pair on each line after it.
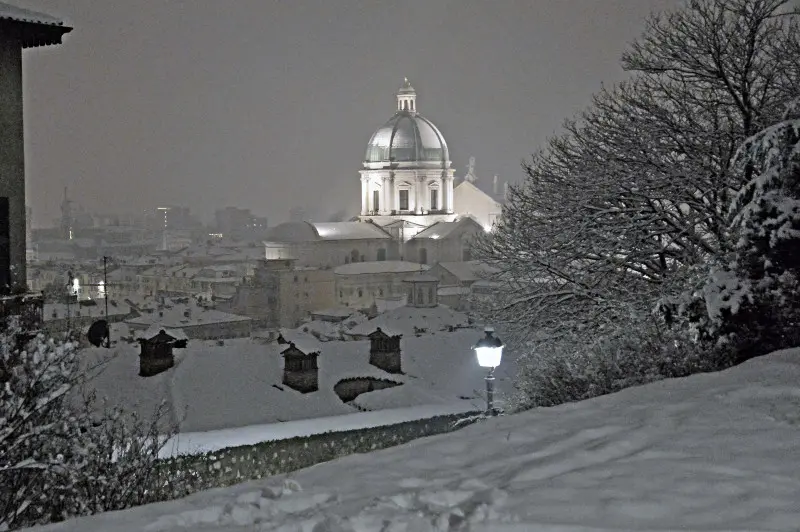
x,y
269,105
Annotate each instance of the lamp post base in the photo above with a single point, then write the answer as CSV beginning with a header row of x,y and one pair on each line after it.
x,y
490,411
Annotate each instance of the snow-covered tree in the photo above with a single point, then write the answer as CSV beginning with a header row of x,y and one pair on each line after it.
x,y
629,203
61,455
750,304
636,189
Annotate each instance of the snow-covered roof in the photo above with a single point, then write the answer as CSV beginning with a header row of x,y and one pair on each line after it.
x,y
375,267
97,310
467,271
421,278
453,291
178,334
349,231
292,232
441,230
498,198
715,451
404,320
439,368
339,312
18,14
174,317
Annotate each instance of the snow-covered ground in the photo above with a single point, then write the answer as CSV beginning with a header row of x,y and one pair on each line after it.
x,y
709,452
239,384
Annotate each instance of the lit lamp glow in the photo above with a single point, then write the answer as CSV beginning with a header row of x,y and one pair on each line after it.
x,y
76,286
489,351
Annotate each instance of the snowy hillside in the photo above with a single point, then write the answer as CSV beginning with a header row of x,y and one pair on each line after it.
x,y
240,383
709,452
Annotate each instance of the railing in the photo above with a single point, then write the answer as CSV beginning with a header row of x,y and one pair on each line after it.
x,y
24,310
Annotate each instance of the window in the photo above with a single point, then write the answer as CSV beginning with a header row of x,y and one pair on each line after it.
x,y
381,254
403,200
380,292
360,293
354,256
430,295
466,254
423,256
434,199
376,200
340,294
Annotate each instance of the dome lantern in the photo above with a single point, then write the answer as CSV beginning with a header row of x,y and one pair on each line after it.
x,y
407,98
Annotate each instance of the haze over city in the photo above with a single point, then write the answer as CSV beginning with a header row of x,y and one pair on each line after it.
x,y
430,266
262,105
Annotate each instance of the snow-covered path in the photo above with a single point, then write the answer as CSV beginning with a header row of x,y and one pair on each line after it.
x,y
709,452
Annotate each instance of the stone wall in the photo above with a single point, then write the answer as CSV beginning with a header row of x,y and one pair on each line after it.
x,y
239,464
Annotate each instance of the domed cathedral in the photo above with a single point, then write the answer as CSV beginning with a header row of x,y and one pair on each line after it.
x,y
410,210
406,176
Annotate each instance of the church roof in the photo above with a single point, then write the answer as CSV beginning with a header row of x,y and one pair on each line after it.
x,y
349,231
37,29
292,232
444,229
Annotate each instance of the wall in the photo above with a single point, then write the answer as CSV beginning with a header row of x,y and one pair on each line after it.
x,y
302,291
12,153
373,287
189,474
448,249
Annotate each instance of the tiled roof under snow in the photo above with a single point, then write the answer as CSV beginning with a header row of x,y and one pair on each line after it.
x,y
385,266
18,14
39,29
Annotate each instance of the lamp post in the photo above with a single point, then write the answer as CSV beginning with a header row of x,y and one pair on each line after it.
x,y
489,351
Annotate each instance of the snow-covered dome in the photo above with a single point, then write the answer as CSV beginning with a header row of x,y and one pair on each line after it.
x,y
407,137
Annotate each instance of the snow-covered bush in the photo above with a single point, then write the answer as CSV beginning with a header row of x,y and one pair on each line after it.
x,y
750,304
644,351
61,454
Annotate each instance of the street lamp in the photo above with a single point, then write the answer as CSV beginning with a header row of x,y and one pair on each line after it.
x,y
489,351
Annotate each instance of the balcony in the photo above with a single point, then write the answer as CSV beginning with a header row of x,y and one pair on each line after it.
x,y
26,310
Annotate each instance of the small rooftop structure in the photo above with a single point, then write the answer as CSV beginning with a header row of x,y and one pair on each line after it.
x,y
156,355
384,351
300,369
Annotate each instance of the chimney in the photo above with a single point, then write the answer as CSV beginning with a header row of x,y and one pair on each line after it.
x,y
494,185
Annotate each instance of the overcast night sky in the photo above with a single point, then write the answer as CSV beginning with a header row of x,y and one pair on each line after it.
x,y
269,105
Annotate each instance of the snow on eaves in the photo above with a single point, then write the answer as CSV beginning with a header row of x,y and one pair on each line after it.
x,y
375,267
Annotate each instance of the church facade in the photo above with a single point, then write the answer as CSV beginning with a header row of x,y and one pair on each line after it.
x,y
411,209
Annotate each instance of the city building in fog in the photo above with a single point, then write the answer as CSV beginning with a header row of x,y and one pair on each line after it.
x,y
19,28
238,223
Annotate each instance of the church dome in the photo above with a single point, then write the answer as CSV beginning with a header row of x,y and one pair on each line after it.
x,y
407,137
